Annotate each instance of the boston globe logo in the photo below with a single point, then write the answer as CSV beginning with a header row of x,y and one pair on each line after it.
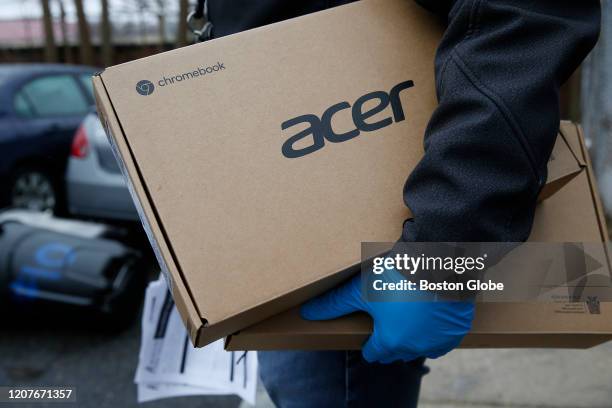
x,y
145,87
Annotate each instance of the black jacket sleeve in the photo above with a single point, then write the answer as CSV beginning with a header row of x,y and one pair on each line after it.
x,y
498,73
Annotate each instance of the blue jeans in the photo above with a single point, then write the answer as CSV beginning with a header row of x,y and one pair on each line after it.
x,y
338,379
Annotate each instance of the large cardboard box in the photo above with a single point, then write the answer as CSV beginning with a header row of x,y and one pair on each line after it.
x,y
573,214
260,161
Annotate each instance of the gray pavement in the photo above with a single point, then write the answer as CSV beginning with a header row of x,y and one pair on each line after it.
x,y
100,366
521,378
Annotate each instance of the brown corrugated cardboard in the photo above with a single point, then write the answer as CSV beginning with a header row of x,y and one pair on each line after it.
x,y
241,227
565,162
573,214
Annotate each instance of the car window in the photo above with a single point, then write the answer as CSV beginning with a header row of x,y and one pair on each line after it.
x,y
87,84
22,107
4,77
54,95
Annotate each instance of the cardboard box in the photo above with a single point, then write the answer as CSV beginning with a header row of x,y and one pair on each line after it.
x,y
573,214
261,160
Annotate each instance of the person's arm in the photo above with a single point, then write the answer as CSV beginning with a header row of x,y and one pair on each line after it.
x,y
498,73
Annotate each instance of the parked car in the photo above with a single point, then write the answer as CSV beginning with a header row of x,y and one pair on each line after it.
x,y
41,106
95,185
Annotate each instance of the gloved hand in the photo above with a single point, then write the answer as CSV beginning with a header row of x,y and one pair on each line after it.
x,y
403,330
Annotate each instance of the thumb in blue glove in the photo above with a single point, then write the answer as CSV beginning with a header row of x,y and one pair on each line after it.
x,y
403,330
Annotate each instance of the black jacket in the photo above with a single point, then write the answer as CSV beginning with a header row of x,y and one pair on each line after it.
x,y
498,72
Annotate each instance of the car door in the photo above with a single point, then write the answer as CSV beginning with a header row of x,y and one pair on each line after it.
x,y
48,109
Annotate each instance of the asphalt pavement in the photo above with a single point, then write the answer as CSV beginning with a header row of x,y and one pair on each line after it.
x,y
100,365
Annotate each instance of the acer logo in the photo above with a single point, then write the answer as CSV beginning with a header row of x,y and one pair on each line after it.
x,y
320,129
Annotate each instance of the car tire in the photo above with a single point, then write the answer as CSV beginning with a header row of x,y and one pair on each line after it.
x,y
35,188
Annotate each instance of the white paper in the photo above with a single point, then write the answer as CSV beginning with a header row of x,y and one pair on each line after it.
x,y
169,366
150,392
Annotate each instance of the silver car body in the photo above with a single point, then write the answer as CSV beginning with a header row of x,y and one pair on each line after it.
x,y
94,183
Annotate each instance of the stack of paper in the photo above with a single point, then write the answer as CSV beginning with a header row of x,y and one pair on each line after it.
x,y
169,366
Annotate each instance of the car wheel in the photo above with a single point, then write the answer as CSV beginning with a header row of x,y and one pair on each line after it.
x,y
35,190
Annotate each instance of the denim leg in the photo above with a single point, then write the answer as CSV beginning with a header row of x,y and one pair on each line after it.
x,y
304,379
383,385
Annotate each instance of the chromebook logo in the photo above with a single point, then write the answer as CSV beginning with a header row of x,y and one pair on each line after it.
x,y
145,87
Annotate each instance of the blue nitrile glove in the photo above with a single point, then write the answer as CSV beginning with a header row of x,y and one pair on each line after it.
x,y
403,330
